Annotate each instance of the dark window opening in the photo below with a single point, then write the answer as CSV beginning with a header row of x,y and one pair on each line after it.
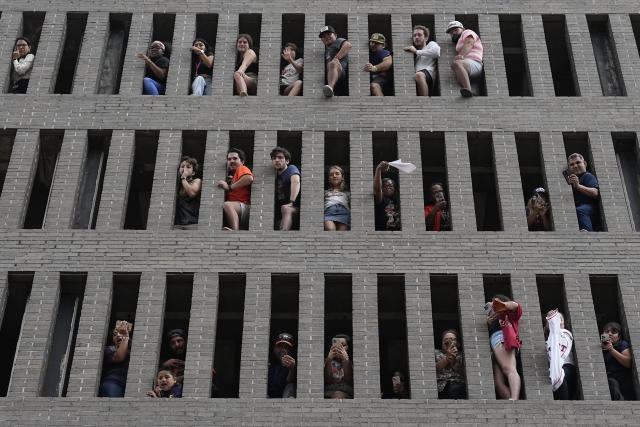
x,y
385,147
292,141
604,49
532,175
177,311
228,346
251,24
32,23
635,25
479,83
163,27
515,56
563,72
485,186
428,20
609,307
578,142
114,53
48,151
336,153
552,295
285,295
293,32
76,24
392,333
193,145
628,157
63,343
206,29
91,180
382,24
144,160
445,312
500,284
340,23
16,297
434,170
338,310
7,138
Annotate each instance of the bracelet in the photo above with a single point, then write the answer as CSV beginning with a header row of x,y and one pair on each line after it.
x,y
375,69
292,201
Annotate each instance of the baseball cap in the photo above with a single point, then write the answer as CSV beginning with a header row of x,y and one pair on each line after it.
x,y
326,29
285,338
378,38
453,25
176,333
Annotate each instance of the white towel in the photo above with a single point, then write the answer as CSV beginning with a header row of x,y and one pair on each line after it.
x,y
558,349
402,166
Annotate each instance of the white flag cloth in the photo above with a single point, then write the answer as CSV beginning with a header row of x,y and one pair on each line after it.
x,y
402,166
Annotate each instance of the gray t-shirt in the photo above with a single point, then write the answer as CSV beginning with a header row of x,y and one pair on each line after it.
x,y
333,49
289,74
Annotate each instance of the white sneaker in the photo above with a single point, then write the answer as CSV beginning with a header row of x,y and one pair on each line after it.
x,y
327,91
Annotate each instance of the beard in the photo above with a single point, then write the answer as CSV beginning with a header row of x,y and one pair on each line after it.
x,y
455,38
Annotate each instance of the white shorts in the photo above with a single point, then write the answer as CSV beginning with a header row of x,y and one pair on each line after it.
x,y
474,66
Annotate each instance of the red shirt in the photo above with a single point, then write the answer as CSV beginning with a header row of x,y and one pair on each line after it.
x,y
242,195
509,322
436,220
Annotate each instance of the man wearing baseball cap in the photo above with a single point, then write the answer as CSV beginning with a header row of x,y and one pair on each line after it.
x,y
281,382
177,352
336,58
380,62
467,63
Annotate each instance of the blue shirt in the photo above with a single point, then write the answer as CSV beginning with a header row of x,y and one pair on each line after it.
x,y
588,180
375,58
283,186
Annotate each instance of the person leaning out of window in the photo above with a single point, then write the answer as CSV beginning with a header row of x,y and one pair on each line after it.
x,y
202,65
617,359
21,65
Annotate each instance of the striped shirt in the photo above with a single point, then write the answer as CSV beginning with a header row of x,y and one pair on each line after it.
x,y
476,52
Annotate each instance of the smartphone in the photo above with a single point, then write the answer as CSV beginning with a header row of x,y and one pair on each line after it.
x,y
566,175
604,338
334,342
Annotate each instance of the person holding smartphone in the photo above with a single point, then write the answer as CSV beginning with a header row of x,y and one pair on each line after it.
x,y
21,65
116,362
338,370
281,382
450,368
436,214
585,192
538,211
617,359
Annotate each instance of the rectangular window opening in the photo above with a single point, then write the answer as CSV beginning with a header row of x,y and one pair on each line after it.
x,y
16,297
251,24
340,23
552,295
206,29
515,56
628,157
387,209
578,142
91,180
485,186
434,172
228,346
445,313
48,150
428,20
60,357
114,53
292,141
32,23
500,284
338,312
292,32
392,333
382,24
604,50
635,25
76,24
470,22
188,209
7,138
285,294
563,72
532,175
163,27
141,184
609,307
336,153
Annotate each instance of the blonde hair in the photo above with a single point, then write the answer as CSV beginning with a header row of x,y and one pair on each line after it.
x,y
342,186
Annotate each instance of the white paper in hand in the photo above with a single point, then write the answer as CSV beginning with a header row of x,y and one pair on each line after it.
x,y
403,167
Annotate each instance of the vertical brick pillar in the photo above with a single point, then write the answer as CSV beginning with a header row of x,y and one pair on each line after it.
x,y
66,180
586,338
403,66
225,60
19,179
91,53
9,27
509,184
358,27
115,187
255,336
263,190
537,55
269,57
448,84
202,335
362,203
133,67
314,69
629,310
422,366
583,56
163,193
312,182
4,292
179,75
463,215
311,336
147,334
366,360
627,50
477,351
32,352
213,170
43,74
411,191
563,208
605,167
493,58
84,378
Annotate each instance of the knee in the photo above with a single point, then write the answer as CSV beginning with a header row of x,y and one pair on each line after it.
x,y
420,77
237,75
457,65
374,87
297,84
339,395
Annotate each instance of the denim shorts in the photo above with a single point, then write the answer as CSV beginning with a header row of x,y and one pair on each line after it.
x,y
496,338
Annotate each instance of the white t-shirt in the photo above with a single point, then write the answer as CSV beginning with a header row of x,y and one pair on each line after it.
x,y
426,58
290,74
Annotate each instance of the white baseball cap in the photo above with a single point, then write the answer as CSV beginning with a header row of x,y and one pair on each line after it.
x,y
454,24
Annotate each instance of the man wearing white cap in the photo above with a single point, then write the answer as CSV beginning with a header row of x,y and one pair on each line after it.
x,y
336,58
467,63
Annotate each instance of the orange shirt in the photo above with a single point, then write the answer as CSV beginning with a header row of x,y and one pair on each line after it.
x,y
242,195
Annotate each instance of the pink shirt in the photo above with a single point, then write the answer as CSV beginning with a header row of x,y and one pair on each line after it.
x,y
476,52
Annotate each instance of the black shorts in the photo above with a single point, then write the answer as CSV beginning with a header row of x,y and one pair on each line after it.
x,y
429,80
381,80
